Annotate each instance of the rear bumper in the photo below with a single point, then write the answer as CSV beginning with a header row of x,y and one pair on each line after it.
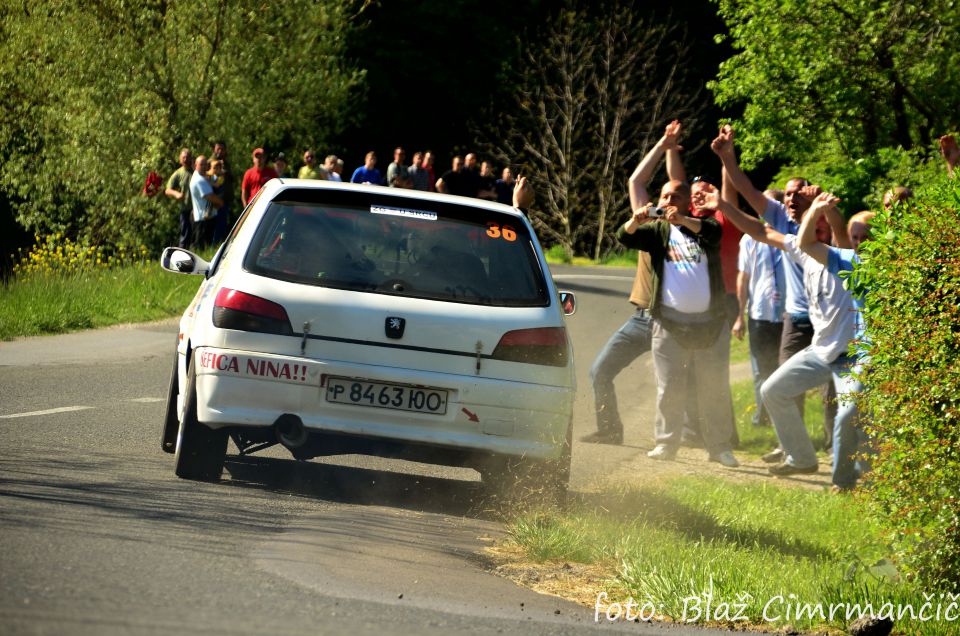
x,y
240,389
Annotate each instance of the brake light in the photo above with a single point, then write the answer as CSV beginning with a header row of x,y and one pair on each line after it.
x,y
543,345
234,309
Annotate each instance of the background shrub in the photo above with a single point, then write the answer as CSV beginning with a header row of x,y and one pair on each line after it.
x,y
911,275
860,183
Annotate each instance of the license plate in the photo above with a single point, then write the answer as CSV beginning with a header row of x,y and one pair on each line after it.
x,y
386,396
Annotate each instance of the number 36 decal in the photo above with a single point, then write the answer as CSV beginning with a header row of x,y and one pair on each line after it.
x,y
506,232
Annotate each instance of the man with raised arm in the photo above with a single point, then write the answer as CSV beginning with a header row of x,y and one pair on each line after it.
x,y
832,318
632,339
840,262
785,218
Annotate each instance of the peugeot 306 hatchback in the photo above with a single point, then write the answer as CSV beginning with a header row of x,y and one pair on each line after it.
x,y
340,318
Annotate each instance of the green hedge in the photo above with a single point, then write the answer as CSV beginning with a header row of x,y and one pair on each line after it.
x,y
911,274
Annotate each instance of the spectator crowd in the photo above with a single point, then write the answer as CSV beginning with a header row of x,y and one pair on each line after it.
x,y
204,187
707,271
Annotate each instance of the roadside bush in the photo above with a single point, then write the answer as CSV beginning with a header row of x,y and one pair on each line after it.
x,y
911,274
57,254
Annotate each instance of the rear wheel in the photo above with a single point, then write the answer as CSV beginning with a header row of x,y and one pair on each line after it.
x,y
200,450
171,421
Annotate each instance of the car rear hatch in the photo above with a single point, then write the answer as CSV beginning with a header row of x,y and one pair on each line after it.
x,y
379,280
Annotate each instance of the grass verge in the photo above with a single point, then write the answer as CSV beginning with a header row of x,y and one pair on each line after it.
x,y
556,256
59,302
757,440
713,552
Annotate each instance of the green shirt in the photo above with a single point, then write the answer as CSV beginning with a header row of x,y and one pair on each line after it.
x,y
180,181
306,172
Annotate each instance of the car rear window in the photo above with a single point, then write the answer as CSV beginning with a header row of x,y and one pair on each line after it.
x,y
397,246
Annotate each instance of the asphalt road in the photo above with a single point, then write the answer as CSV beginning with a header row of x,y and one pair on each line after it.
x,y
98,536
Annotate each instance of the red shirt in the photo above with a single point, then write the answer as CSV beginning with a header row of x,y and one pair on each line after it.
x,y
255,178
729,249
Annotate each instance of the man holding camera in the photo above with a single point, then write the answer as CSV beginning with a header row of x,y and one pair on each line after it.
x,y
688,306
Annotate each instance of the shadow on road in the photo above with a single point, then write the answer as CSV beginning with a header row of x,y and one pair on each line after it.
x,y
112,496
591,289
363,486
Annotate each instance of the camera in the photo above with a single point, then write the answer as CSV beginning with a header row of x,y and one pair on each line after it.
x,y
655,212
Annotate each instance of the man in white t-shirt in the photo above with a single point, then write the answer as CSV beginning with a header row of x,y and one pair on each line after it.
x,y
833,319
785,217
333,165
760,294
205,203
688,305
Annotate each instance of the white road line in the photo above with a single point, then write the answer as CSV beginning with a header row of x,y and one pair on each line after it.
x,y
146,400
591,277
62,409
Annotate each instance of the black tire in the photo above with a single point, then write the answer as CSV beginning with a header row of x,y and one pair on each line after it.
x,y
200,451
171,421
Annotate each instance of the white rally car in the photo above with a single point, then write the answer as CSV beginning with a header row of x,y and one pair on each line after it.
x,y
339,318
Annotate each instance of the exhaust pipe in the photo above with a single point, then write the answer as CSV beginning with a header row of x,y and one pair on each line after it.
x,y
290,431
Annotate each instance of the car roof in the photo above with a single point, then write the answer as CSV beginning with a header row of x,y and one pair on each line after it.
x,y
273,187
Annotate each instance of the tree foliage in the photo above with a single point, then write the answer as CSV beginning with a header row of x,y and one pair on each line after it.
x,y
861,183
593,93
97,94
911,278
868,73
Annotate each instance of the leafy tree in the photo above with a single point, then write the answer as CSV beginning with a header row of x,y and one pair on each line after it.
x,y
99,93
867,73
594,91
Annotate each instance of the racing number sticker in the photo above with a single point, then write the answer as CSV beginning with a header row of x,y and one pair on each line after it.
x,y
506,232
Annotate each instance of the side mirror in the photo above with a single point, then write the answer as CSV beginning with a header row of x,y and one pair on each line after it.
x,y
181,261
568,302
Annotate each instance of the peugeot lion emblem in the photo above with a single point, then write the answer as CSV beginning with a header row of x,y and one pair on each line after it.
x,y
394,327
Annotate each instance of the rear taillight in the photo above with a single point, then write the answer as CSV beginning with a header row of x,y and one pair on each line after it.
x,y
545,345
234,309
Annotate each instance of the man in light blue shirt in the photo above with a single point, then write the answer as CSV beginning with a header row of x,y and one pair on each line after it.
x,y
205,203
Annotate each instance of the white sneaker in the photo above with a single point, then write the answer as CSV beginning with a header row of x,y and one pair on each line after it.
x,y
662,452
725,458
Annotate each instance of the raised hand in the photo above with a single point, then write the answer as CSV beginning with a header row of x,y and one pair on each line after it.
x,y
706,197
724,141
523,194
671,136
823,201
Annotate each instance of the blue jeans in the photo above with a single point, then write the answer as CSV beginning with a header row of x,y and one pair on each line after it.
x,y
804,371
626,345
848,435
